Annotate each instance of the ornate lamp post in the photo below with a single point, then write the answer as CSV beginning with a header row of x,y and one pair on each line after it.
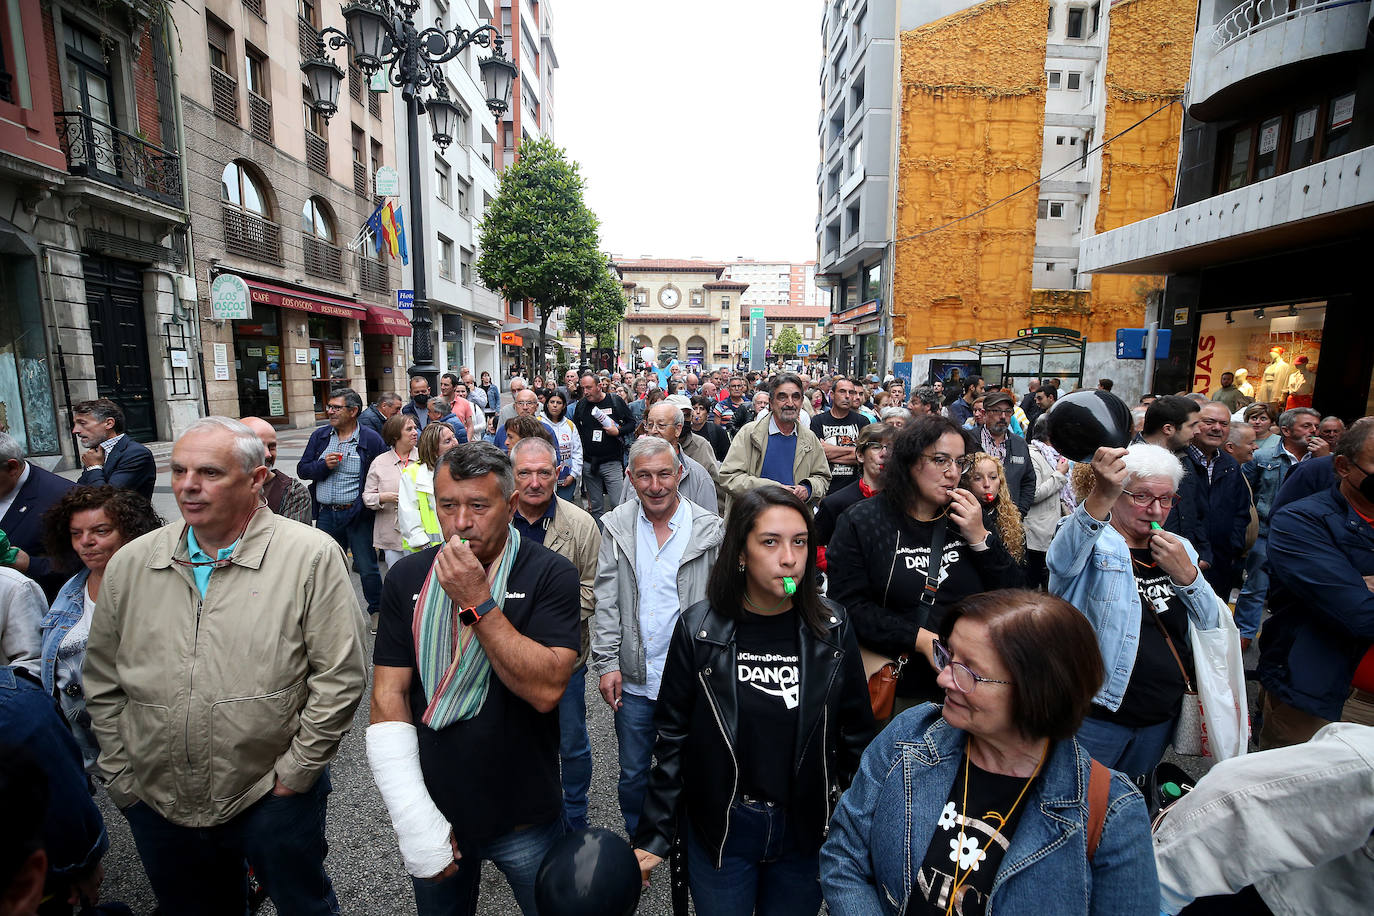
x,y
383,35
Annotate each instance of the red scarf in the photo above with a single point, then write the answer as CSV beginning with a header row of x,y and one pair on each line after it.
x,y
865,489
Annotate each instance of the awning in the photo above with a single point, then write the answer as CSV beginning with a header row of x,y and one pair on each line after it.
x,y
386,321
315,303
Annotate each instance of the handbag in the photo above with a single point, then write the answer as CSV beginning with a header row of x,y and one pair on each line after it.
x,y
882,672
1189,739
1219,668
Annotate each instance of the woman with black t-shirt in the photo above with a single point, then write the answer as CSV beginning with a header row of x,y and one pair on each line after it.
x,y
762,716
880,552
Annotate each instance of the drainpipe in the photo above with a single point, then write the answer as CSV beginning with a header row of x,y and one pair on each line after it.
x,y
57,347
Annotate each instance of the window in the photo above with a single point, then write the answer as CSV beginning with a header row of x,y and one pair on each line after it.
x,y
1073,141
465,267
1059,140
1050,27
873,281
463,194
1237,150
314,121
1304,138
441,180
239,188
89,88
856,154
255,71
1076,22
1055,78
1096,9
856,95
1074,81
217,35
1056,209
1049,209
1049,265
851,221
698,298
315,220
445,258
724,306
1267,152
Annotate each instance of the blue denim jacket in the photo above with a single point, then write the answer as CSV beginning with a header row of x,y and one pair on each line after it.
x,y
66,611
1266,471
1090,567
885,821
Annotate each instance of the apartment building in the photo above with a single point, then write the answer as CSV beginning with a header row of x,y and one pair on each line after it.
x,y
1263,256
278,196
93,241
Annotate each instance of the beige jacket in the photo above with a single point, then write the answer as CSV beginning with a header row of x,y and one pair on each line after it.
x,y
200,706
740,469
573,534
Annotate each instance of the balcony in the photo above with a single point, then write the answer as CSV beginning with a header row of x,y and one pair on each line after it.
x,y
355,82
359,178
374,103
308,37
322,259
373,276
260,117
1265,46
250,235
224,94
316,152
107,154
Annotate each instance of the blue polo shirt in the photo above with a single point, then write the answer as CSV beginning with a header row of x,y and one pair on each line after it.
x,y
202,573
535,530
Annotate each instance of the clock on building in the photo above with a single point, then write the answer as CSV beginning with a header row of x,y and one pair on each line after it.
x,y
669,297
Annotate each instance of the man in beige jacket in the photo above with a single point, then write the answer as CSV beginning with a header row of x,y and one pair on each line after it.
x,y
777,449
224,665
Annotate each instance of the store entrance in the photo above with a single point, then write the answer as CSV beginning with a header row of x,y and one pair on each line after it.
x,y
328,360
257,353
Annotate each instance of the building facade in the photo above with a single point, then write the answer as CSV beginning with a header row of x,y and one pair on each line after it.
x,y
854,181
96,298
687,310
1263,256
278,196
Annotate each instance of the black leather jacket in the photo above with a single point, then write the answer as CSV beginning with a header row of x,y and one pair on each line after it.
x,y
696,767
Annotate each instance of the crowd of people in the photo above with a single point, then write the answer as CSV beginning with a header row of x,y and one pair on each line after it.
x,y
888,650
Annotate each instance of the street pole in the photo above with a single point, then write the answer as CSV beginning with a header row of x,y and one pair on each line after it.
x,y
422,325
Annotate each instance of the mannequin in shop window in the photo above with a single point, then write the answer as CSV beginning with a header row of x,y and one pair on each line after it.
x,y
1243,383
1274,389
1300,382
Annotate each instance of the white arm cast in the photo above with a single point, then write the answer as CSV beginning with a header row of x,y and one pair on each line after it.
x,y
393,752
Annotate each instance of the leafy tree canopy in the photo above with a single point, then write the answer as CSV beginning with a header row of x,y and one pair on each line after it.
x,y
604,309
786,342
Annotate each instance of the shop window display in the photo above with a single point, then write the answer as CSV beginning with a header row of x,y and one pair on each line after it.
x,y
1279,347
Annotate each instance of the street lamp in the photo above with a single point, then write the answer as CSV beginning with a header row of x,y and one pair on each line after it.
x,y
383,35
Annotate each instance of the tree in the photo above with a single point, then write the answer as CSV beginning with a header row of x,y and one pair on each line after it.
x,y
539,239
603,307
786,343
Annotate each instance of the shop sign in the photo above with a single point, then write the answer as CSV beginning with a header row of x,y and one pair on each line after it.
x,y
276,404
511,339
377,82
405,299
1202,368
229,299
859,311
387,182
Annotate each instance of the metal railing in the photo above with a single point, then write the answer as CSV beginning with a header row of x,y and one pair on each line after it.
x,y
250,235
355,82
359,178
224,92
1256,15
316,152
322,259
255,7
373,275
308,37
107,154
374,103
260,116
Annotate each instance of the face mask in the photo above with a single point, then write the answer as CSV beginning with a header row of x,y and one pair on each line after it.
x,y
420,399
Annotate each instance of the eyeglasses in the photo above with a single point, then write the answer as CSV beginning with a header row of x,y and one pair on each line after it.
x,y
964,678
334,408
1143,500
942,462
998,411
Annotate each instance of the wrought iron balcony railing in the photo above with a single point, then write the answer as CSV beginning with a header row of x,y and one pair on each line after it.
x,y
109,155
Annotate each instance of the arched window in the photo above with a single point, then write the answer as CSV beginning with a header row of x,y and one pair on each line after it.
x,y
316,221
668,347
238,187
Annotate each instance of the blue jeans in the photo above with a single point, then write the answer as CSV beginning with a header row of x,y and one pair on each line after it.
x,y
763,869
567,491
200,870
356,536
1133,751
575,749
603,480
634,734
1250,604
518,854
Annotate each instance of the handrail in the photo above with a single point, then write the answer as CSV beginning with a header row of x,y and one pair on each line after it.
x,y
1256,15
116,157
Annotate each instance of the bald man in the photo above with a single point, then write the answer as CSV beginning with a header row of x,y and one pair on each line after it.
x,y
284,494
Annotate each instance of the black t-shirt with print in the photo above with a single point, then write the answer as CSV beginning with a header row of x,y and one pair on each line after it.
x,y
975,857
768,684
1155,691
499,769
957,579
597,444
839,432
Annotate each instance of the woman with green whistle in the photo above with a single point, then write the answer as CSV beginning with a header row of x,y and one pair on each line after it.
x,y
762,717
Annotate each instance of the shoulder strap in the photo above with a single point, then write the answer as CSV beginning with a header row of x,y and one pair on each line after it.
x,y
937,550
1099,792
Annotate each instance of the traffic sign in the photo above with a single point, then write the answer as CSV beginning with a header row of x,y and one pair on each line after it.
x,y
1130,343
803,349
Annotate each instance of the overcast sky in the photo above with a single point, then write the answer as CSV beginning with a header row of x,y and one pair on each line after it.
x,y
694,123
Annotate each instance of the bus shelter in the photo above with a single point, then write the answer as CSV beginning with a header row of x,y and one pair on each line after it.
x,y
1011,362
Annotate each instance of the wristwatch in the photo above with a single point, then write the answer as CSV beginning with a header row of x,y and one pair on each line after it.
x,y
471,615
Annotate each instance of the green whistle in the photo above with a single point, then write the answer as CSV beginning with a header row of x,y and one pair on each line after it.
x,y
1155,526
788,585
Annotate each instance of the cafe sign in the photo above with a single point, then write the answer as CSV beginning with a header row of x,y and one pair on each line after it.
x,y
229,298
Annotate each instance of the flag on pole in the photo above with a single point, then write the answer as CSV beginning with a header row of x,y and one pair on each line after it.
x,y
389,230
401,235
374,223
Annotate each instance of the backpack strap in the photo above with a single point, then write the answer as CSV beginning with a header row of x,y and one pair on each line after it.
x,y
1099,792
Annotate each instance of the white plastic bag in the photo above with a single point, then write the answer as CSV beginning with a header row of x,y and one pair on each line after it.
x,y
1219,671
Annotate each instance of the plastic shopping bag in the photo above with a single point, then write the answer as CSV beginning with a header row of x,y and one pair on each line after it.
x,y
1219,669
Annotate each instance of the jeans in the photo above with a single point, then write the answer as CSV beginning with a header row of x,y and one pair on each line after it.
x,y
518,854
634,735
197,871
1250,604
1133,751
575,749
603,480
762,869
567,491
1037,576
356,536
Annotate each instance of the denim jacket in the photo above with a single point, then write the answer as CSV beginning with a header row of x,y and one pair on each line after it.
x,y
1090,567
66,611
1266,472
885,821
